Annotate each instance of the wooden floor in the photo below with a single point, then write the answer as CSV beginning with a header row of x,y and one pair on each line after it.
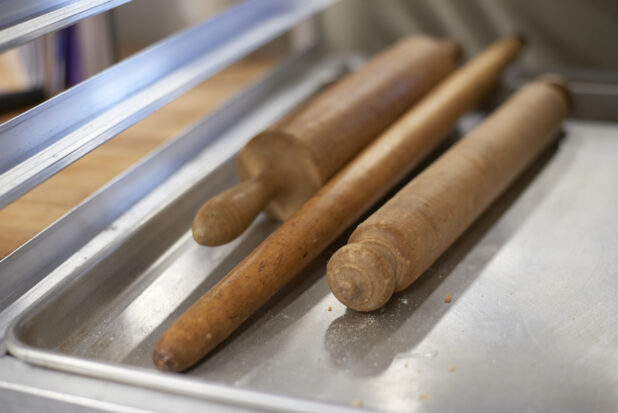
x,y
37,209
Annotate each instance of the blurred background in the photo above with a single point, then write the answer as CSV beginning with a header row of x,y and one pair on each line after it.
x,y
576,38
573,37
567,35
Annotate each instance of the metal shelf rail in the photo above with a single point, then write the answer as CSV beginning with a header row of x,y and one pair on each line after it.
x,y
51,136
24,20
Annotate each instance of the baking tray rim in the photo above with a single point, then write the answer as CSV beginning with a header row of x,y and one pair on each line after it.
x,y
153,379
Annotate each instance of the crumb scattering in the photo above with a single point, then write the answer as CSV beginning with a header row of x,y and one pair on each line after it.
x,y
357,403
330,308
424,396
452,368
448,299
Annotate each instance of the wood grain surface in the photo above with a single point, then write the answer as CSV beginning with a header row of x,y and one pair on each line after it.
x,y
40,207
283,166
344,199
397,244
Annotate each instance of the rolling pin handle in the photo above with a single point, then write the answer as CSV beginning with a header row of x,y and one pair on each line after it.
x,y
227,215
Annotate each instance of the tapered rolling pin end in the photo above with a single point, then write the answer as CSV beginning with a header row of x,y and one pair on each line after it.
x,y
362,276
164,360
455,48
227,215
521,38
170,354
560,84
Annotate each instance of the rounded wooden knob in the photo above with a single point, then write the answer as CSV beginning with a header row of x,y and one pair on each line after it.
x,y
227,215
362,276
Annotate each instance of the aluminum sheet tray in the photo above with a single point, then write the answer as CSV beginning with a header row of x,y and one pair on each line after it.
x,y
532,325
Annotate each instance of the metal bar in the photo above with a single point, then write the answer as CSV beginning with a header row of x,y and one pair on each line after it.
x,y
23,384
73,242
25,20
53,135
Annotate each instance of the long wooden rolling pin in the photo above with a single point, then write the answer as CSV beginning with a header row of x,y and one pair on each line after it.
x,y
283,166
348,195
393,247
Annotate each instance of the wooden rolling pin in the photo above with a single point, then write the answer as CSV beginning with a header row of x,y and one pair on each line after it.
x,y
348,195
393,247
283,166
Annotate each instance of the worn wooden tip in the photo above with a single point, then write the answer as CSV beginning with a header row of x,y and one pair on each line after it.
x,y
181,347
455,48
227,215
521,38
362,276
164,360
561,85
173,354
197,331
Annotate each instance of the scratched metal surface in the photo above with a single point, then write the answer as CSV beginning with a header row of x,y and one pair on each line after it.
x,y
531,326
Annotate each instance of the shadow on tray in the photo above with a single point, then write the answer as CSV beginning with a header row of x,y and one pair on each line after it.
x,y
352,340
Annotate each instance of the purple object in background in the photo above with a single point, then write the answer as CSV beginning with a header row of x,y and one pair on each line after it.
x,y
69,45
